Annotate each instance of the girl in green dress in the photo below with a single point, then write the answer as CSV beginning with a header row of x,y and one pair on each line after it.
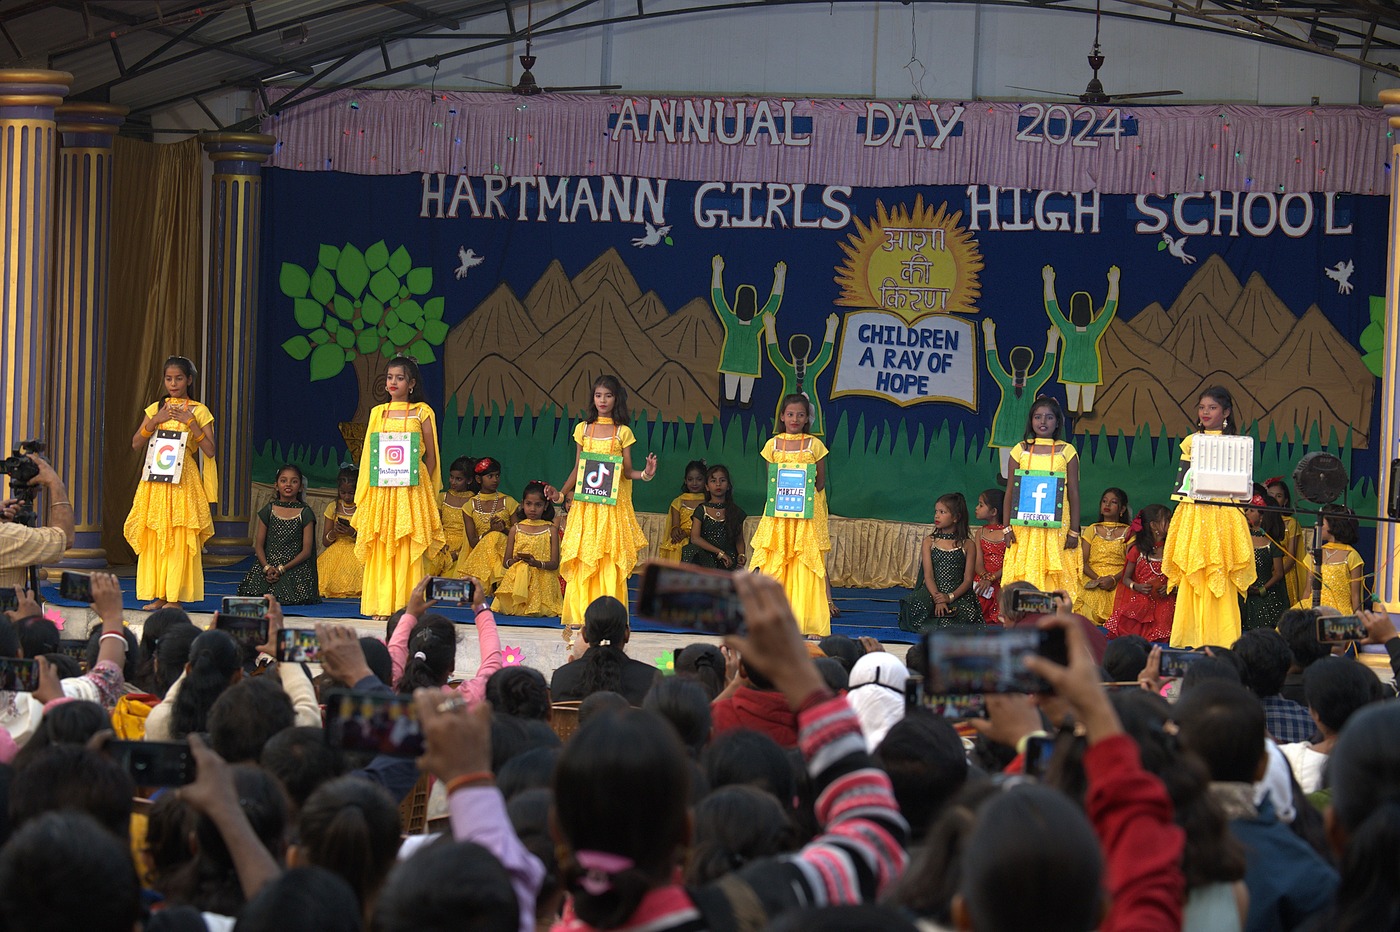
x,y
942,595
1267,598
717,530
285,545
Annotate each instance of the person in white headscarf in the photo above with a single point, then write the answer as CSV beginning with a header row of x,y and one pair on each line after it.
x,y
876,692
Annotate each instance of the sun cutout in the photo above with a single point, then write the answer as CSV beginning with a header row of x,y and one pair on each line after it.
x,y
911,262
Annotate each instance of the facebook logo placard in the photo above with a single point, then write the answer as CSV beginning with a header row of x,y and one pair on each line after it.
x,y
1039,500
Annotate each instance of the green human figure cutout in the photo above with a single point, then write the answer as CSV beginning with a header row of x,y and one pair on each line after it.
x,y
800,374
1018,388
1081,364
739,362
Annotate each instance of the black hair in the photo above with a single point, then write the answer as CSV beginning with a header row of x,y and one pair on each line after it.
x,y
601,703
527,770
172,652
247,715
834,674
1125,657
51,858
37,635
131,662
842,649
1270,522
1212,854
302,760
391,623
69,776
158,623
1207,669
1145,540
1364,774
64,666
485,466
432,654
66,723
410,367
994,499
377,659
1336,688
620,787
620,414
1221,396
183,363
682,703
9,638
529,816
350,827
605,630
749,758
1341,523
519,691
792,398
735,825
315,898
694,466
1287,495
467,466
931,879
955,503
1032,862
1224,724
916,659
214,659
536,486
349,471
301,477
1298,626
448,887
703,663
927,766
1264,656
512,737
167,847
1124,512
843,919
1045,401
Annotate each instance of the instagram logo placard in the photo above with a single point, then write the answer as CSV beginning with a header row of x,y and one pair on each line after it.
x,y
394,459
394,455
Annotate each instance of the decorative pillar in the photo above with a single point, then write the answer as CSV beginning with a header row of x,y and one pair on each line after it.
x,y
78,357
235,218
27,142
1388,535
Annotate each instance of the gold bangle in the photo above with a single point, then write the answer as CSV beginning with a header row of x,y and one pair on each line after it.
x,y
147,433
56,504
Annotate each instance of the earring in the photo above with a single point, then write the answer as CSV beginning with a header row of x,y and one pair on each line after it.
x,y
1225,424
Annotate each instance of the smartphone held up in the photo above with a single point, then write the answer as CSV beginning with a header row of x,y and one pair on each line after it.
x,y
691,598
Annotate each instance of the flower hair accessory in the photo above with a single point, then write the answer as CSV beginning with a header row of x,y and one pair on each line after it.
x,y
599,868
486,465
1136,525
1257,501
1273,480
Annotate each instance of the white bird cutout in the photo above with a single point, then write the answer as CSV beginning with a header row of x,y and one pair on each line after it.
x,y
1177,247
469,260
1341,274
653,237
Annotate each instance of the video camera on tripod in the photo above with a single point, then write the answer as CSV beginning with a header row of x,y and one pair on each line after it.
x,y
22,470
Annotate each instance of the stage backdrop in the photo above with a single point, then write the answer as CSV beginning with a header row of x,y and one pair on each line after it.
x,y
921,319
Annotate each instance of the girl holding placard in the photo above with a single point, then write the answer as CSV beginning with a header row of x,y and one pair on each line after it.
x,y
791,540
602,537
396,515
170,519
1042,505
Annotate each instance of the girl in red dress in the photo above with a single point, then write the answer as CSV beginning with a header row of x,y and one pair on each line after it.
x,y
1142,604
991,551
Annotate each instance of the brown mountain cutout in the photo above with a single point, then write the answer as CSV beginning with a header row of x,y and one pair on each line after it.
x,y
648,310
602,324
1314,355
496,380
574,387
1152,322
1123,348
609,268
672,388
1137,398
1259,313
1304,406
552,298
1213,281
693,332
1202,339
499,325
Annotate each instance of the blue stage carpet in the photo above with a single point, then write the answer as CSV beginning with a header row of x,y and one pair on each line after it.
x,y
864,612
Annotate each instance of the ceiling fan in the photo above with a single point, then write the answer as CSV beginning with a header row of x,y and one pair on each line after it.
x,y
527,86
1094,93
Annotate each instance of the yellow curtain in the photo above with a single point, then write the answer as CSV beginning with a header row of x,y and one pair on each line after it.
x,y
154,308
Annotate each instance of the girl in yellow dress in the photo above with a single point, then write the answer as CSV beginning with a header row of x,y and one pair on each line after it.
x,y
398,529
601,541
531,583
487,519
1105,552
1343,570
1046,557
793,550
460,488
341,573
169,522
1209,554
1294,544
682,512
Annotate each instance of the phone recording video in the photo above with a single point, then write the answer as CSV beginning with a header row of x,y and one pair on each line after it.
x,y
1339,629
1176,662
18,676
972,659
373,723
9,599
251,632
691,598
75,586
1040,750
154,763
1033,602
298,645
951,707
447,589
244,606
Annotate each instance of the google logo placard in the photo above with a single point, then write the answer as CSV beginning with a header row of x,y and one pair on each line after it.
x,y
166,455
